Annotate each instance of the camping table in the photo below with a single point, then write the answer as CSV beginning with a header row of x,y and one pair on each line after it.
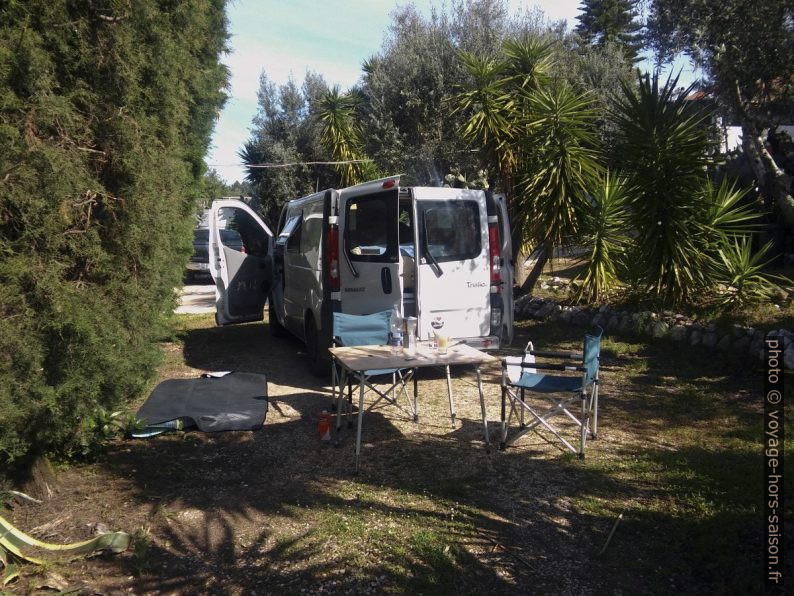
x,y
357,359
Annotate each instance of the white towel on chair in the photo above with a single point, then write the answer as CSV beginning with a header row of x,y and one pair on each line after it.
x,y
514,363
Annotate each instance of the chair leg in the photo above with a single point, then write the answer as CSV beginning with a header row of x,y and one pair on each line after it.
x,y
595,409
583,429
522,423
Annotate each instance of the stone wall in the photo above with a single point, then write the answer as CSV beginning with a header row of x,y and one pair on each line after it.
x,y
666,324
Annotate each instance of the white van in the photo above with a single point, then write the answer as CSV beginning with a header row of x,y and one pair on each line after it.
x,y
355,251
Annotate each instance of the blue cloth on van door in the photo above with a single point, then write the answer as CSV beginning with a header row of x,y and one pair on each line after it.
x,y
236,401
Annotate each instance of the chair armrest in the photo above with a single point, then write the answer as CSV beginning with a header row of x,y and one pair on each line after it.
x,y
543,366
563,355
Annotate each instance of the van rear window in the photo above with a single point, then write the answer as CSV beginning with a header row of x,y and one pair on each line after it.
x,y
450,230
371,230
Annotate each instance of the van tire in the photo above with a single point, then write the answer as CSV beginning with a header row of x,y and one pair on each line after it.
x,y
317,364
276,328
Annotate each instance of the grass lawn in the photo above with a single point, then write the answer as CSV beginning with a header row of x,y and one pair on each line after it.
x,y
277,511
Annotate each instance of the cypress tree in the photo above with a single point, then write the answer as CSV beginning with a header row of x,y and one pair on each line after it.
x,y
603,22
106,109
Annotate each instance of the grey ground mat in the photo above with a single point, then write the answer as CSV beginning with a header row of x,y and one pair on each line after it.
x,y
234,401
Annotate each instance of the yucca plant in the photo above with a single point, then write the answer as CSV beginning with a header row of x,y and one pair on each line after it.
x,y
492,121
663,144
606,237
560,165
341,135
741,274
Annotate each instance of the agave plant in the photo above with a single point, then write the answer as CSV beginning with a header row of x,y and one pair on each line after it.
x,y
742,276
606,237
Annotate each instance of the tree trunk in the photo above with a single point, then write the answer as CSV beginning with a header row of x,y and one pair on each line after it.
x,y
774,182
543,252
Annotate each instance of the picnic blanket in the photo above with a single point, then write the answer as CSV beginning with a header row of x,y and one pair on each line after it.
x,y
212,403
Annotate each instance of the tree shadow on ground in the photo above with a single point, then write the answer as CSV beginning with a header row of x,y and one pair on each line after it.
x,y
431,510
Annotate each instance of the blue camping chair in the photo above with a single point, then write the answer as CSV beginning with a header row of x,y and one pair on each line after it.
x,y
521,376
369,330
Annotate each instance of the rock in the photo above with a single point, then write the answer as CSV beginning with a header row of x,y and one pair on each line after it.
x,y
788,358
599,320
678,333
724,343
613,322
604,308
709,339
565,315
739,330
750,331
694,337
581,318
741,345
757,342
625,323
660,329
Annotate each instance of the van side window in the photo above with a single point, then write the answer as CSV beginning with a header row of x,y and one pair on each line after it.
x,y
371,229
450,230
294,240
312,231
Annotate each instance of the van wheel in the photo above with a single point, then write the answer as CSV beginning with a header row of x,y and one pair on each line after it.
x,y
276,328
317,364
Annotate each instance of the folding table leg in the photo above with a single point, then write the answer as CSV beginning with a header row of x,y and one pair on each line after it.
x,y
449,395
482,410
416,401
502,443
339,383
360,417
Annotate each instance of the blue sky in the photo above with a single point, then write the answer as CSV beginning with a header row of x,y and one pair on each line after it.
x,y
287,38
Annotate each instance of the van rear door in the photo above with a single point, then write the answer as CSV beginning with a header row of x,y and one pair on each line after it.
x,y
369,267
240,263
452,265
506,272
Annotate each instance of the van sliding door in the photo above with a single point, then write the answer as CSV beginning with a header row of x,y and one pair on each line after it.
x,y
369,252
452,264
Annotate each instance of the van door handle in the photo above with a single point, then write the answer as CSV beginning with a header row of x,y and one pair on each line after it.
x,y
385,280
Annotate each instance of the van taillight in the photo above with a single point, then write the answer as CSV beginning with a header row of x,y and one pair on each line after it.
x,y
332,256
495,253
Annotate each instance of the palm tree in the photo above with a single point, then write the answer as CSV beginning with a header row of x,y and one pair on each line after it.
x,y
498,108
559,166
341,135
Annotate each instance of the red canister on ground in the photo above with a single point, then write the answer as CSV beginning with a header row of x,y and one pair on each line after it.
x,y
324,426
